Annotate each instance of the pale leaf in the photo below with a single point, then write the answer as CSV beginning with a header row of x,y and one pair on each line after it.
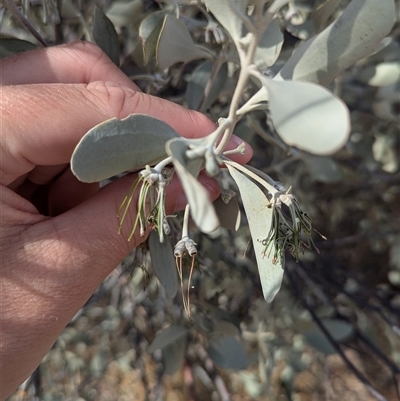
x,y
323,12
176,45
308,116
259,217
201,208
270,45
149,32
223,11
353,36
115,146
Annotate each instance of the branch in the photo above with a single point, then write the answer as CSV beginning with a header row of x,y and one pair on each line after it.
x,y
332,341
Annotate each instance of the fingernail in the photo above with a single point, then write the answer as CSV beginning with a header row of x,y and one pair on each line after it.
x,y
236,140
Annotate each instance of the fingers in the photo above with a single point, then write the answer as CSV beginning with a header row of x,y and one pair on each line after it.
x,y
74,63
88,244
53,118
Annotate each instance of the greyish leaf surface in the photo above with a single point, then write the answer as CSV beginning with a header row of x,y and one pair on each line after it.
x,y
125,13
9,47
323,12
354,35
228,213
198,82
223,11
338,329
227,352
105,35
201,207
257,101
149,32
163,261
176,45
115,146
173,355
322,169
308,116
167,337
270,45
259,217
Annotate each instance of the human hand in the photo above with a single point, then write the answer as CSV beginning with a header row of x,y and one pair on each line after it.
x,y
59,238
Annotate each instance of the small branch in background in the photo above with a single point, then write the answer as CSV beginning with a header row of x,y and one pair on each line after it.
x,y
13,9
301,270
329,284
331,340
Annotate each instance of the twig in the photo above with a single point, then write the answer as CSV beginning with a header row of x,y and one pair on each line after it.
x,y
13,9
332,341
321,294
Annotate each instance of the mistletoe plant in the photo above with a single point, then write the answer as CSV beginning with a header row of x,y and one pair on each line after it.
x,y
305,115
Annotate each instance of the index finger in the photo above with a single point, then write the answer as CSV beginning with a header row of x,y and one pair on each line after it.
x,y
73,63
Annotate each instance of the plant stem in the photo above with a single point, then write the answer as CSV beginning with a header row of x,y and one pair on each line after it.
x,y
185,225
162,164
13,9
246,61
254,175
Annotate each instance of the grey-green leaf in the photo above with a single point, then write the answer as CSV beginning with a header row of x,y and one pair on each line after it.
x,y
256,102
173,355
308,116
322,169
270,45
201,207
176,45
105,36
125,13
228,213
9,47
353,36
164,263
196,97
149,32
338,329
115,146
227,352
167,337
323,12
223,11
259,217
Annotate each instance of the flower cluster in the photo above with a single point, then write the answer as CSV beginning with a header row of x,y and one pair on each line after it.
x,y
289,231
151,201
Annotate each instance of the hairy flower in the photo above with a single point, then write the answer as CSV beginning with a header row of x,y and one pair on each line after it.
x,y
151,202
289,231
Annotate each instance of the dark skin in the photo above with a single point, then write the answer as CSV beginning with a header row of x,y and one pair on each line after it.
x,y
58,237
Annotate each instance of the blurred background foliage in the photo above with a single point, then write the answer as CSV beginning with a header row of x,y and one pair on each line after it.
x,y
333,331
